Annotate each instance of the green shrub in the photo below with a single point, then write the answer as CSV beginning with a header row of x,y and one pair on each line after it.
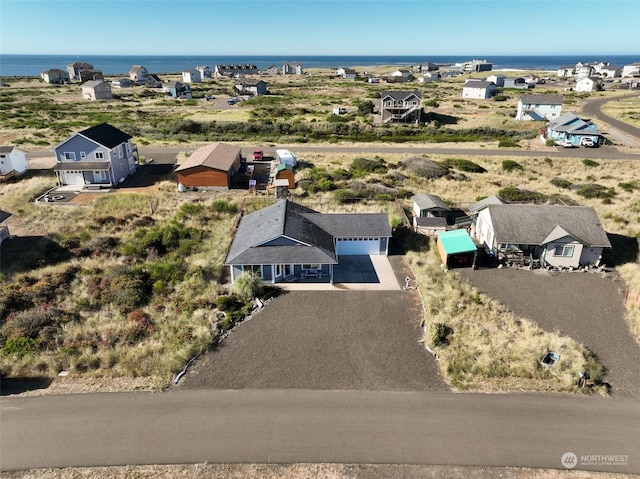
x,y
247,286
441,333
363,166
511,165
425,167
189,210
596,191
365,107
19,346
513,194
590,163
629,187
345,196
549,142
507,143
432,103
464,165
560,183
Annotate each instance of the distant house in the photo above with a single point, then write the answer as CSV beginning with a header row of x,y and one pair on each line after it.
x,y
153,81
566,71
121,83
75,68
477,66
271,70
235,71
101,156
96,90
583,70
89,75
589,84
176,89
539,107
191,75
425,67
398,106
289,242
479,89
517,82
347,73
610,71
55,76
373,80
429,77
497,79
138,74
205,71
558,236
569,127
212,166
12,160
4,227
406,74
292,68
283,172
252,87
631,70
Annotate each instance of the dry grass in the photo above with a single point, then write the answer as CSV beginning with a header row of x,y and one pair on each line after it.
x,y
481,346
306,471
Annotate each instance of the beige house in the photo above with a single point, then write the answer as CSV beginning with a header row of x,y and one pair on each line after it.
x,y
96,90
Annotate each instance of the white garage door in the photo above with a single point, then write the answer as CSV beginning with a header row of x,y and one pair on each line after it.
x,y
358,246
74,178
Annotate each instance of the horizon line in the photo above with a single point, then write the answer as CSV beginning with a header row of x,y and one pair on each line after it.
x,y
331,54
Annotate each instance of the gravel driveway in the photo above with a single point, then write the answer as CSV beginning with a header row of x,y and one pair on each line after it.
x,y
584,306
327,340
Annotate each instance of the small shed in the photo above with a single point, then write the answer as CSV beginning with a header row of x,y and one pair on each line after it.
x,y
284,172
456,248
211,166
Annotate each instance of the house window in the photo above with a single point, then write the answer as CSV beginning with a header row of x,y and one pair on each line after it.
x,y
70,156
255,268
311,266
566,251
83,155
99,155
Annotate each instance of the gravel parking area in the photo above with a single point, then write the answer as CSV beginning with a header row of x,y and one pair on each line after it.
x,y
326,340
585,306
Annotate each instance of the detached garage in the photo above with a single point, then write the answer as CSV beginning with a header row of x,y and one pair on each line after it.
x,y
210,166
457,249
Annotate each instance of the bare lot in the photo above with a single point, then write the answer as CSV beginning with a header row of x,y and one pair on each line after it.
x,y
585,306
362,340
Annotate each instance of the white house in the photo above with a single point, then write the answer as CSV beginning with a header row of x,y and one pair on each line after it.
x,y
347,73
429,77
402,73
589,84
539,107
191,75
12,159
55,76
497,79
292,68
558,236
96,90
205,71
138,74
631,70
479,89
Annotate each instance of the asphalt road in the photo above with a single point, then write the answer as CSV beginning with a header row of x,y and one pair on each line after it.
x,y
302,426
594,109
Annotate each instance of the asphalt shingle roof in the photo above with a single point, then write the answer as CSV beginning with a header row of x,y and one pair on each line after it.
x,y
400,95
106,135
541,99
219,156
426,201
533,224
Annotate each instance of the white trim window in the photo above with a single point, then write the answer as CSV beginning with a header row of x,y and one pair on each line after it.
x,y
565,251
255,268
99,155
312,266
70,155
83,155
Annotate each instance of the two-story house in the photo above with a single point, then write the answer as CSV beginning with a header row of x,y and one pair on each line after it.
x,y
75,68
55,76
539,107
191,75
13,161
570,127
100,156
398,106
479,89
96,90
205,71
252,87
292,68
138,74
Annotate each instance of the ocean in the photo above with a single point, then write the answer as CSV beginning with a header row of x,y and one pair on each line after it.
x,y
33,65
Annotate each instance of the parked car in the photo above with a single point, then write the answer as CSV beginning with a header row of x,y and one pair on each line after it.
x,y
589,143
258,155
565,144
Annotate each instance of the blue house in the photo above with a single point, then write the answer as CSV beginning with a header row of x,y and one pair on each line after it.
x,y
176,89
570,127
100,156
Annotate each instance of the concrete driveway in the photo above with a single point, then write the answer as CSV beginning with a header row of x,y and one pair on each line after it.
x,y
328,340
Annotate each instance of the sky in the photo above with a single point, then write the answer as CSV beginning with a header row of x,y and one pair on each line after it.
x,y
320,27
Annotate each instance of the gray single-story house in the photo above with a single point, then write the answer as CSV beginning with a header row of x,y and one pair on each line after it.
x,y
557,236
288,242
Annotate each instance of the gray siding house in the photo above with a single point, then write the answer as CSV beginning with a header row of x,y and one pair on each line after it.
x,y
253,87
96,90
400,106
55,76
75,68
289,242
539,107
100,156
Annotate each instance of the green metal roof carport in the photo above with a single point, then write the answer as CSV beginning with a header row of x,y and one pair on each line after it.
x,y
456,248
